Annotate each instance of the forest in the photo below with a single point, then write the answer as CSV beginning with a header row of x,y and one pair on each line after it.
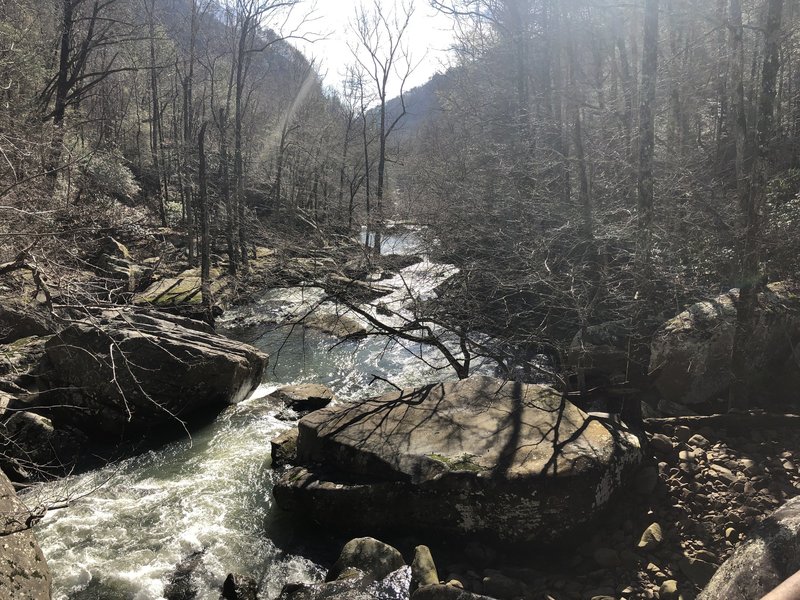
x,y
581,162
608,192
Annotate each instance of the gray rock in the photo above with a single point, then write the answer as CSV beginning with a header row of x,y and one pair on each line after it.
x,y
136,372
32,449
24,574
353,584
21,320
697,570
690,354
239,587
668,590
423,569
661,443
305,397
683,433
374,558
513,462
651,538
182,584
284,448
699,441
770,555
336,325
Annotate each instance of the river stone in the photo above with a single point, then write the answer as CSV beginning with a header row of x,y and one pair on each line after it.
x,y
479,456
24,574
182,583
239,587
770,555
374,558
668,590
284,448
356,586
304,397
690,353
423,569
136,371
651,538
340,326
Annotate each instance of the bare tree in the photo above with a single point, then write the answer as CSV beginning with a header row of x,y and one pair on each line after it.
x,y
383,55
753,204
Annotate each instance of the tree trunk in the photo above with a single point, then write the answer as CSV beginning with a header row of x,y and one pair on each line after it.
x,y
645,184
205,230
753,206
155,115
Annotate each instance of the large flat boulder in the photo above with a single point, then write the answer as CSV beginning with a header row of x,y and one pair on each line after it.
x,y
690,353
479,457
764,561
137,371
24,574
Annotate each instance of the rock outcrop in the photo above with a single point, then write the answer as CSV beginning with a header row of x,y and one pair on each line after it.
x,y
24,574
767,558
478,457
134,371
690,354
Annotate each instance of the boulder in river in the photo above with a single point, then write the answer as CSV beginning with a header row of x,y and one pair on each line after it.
x,y
764,561
366,569
304,398
24,574
690,353
137,371
370,556
478,457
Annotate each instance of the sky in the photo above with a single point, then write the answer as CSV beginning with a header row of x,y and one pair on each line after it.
x,y
429,37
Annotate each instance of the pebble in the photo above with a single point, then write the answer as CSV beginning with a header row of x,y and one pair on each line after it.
x,y
651,538
721,472
699,441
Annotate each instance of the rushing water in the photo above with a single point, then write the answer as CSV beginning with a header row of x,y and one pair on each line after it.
x,y
129,524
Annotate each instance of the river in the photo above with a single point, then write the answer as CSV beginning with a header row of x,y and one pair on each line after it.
x,y
130,523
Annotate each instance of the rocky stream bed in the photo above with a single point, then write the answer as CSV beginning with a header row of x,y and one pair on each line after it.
x,y
513,492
